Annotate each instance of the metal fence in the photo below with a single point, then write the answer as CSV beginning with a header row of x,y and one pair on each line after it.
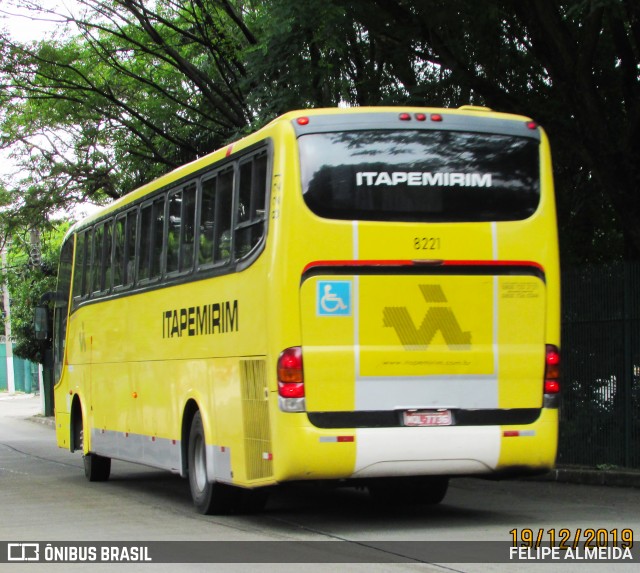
x,y
600,415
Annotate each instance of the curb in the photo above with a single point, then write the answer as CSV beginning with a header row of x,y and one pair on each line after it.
x,y
590,476
45,420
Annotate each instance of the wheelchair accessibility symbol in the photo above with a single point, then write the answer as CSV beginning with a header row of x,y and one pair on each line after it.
x,y
334,298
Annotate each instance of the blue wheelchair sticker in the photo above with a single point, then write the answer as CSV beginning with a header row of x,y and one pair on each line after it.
x,y
334,298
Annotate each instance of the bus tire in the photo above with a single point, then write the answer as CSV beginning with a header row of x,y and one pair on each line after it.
x,y
209,498
424,490
96,468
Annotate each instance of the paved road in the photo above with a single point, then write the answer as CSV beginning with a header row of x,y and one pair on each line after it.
x,y
45,497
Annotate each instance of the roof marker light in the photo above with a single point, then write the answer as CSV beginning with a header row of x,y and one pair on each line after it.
x,y
405,117
303,121
421,116
532,125
436,117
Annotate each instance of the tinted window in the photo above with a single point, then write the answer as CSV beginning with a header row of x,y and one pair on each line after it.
x,y
252,189
215,221
79,272
180,229
152,226
119,236
124,244
420,175
130,247
105,279
96,258
173,231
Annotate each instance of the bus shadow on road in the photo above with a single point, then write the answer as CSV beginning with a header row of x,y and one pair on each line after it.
x,y
354,506
298,501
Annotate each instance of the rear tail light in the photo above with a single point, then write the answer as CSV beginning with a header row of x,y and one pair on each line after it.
x,y
552,370
291,380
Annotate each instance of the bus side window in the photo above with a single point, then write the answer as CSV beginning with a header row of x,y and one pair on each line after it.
x,y
207,221
79,272
119,231
86,271
96,258
187,229
173,231
107,249
130,247
151,240
250,213
144,258
180,229
222,226
157,233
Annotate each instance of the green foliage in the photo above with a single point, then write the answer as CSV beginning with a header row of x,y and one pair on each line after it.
x,y
136,88
28,280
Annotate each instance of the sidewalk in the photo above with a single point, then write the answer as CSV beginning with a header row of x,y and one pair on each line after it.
x,y
25,406
31,406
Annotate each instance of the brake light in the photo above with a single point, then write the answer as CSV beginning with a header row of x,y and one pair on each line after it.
x,y
552,370
291,380
290,366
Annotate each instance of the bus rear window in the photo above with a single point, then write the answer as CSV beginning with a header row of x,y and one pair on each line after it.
x,y
420,175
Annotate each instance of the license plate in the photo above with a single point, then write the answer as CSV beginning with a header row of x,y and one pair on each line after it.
x,y
427,418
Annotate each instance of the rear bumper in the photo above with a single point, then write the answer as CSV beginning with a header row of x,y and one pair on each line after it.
x,y
308,452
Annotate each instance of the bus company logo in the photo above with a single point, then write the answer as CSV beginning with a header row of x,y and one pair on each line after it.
x,y
334,298
439,318
23,552
216,318
422,179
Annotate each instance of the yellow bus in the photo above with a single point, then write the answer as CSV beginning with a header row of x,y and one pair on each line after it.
x,y
366,295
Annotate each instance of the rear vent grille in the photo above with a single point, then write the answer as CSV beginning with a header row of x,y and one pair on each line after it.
x,y
255,418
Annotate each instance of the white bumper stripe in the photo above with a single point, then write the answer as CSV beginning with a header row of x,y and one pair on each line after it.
x,y
427,451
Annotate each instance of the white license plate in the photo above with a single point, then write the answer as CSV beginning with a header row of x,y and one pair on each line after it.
x,y
427,418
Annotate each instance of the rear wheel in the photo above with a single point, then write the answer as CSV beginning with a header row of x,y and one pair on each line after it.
x,y
425,490
208,497
96,468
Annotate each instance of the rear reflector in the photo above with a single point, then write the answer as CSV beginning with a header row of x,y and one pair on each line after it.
x,y
518,433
